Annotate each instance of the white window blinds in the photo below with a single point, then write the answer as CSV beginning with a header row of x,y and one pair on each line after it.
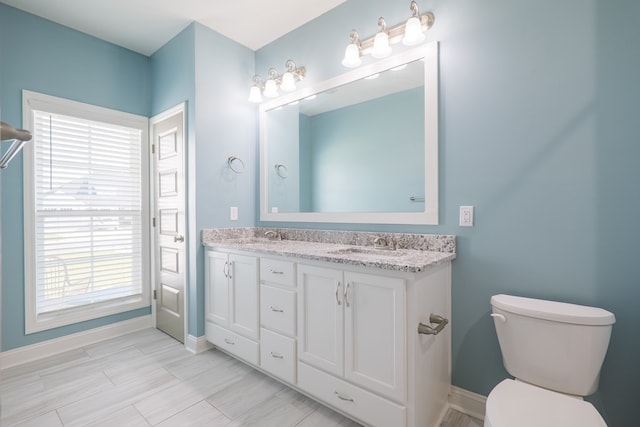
x,y
87,218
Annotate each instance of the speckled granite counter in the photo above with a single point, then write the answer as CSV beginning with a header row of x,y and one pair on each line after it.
x,y
412,253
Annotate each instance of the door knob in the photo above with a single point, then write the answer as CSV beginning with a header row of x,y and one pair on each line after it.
x,y
178,238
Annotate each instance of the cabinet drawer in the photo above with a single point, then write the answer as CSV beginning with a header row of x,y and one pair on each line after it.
x,y
352,400
278,355
235,344
278,309
278,272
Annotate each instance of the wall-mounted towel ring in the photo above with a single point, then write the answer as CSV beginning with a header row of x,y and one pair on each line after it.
x,y
235,164
281,170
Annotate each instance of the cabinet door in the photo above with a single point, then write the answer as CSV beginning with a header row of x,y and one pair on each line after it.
x,y
243,275
217,288
374,333
320,318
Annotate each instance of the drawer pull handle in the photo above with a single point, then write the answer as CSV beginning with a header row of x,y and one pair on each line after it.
x,y
346,294
276,310
276,272
341,397
440,321
337,293
228,341
276,355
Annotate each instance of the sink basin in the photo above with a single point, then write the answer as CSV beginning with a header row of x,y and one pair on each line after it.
x,y
366,251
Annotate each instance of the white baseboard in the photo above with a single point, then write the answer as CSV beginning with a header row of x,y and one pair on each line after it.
x,y
197,344
42,349
467,402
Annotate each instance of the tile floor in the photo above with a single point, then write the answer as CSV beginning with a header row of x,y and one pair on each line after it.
x,y
148,379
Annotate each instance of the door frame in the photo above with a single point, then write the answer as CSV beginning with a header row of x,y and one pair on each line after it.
x,y
180,108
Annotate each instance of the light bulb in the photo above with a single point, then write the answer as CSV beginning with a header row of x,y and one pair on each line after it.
x,y
254,95
381,48
352,56
413,34
270,89
288,82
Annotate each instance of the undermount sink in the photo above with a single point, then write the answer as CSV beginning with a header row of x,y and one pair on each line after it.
x,y
366,251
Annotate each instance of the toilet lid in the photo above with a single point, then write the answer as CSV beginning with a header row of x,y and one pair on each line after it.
x,y
514,403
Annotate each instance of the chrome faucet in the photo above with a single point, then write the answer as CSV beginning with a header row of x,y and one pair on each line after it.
x,y
381,243
273,235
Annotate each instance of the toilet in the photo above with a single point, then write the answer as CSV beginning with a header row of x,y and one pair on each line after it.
x,y
555,351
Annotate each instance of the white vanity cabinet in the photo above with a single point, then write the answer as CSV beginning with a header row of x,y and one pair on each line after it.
x,y
352,326
358,344
278,318
345,335
231,303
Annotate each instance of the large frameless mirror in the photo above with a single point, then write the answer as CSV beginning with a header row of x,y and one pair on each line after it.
x,y
359,148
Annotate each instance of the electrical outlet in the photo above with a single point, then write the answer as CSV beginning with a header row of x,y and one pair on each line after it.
x,y
233,213
466,216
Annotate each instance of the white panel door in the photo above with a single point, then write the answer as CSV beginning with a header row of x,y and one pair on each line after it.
x,y
321,318
217,288
244,287
375,355
169,198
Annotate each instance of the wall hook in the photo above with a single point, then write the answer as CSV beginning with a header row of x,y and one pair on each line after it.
x,y
235,164
281,170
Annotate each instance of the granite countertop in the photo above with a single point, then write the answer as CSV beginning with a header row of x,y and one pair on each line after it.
x,y
337,249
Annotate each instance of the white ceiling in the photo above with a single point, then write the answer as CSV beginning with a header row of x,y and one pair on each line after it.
x,y
146,25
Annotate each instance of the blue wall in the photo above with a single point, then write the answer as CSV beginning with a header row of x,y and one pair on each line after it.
x,y
173,82
199,67
286,127
210,73
225,126
369,157
538,110
45,57
538,130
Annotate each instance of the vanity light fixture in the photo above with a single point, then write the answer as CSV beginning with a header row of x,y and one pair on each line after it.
x,y
352,53
413,33
270,86
410,33
286,82
255,94
381,48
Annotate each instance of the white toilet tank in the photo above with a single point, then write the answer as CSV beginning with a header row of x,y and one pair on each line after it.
x,y
550,344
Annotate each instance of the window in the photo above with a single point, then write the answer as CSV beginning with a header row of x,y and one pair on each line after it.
x,y
86,212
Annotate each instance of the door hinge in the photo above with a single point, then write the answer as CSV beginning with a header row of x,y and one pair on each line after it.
x,y
153,148
155,294
153,221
